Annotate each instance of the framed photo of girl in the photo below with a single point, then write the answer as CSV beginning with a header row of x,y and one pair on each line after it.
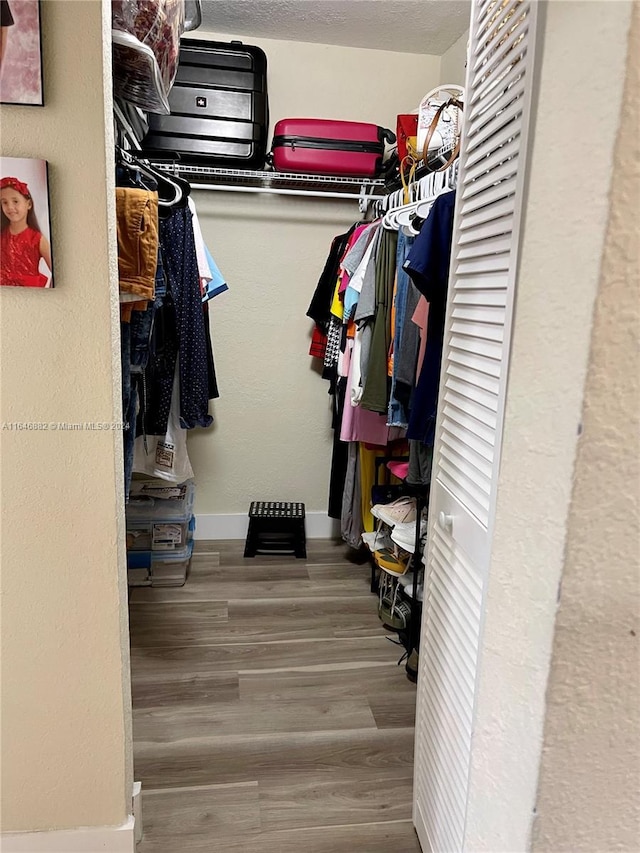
x,y
20,53
25,230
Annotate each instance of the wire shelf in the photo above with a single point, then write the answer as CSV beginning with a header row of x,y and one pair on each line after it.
x,y
285,183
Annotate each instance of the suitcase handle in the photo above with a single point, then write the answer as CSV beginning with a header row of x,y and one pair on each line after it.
x,y
387,135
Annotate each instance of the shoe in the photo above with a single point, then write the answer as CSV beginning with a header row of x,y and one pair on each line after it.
x,y
388,562
402,511
411,666
406,582
404,535
379,540
395,616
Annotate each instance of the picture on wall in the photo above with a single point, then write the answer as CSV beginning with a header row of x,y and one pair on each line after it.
x,y
20,53
25,231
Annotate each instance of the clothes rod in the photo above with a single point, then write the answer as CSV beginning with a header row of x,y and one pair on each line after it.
x,y
281,191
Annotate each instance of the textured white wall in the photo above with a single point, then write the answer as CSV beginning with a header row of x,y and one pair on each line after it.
x,y
589,794
272,438
566,216
453,62
66,758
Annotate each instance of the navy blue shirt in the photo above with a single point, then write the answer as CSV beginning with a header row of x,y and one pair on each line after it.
x,y
428,266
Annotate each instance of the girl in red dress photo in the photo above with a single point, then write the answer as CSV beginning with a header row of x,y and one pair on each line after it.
x,y
22,244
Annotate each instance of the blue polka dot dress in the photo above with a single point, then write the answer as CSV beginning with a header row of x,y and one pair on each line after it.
x,y
183,332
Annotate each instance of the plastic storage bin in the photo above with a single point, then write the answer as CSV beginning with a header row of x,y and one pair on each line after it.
x,y
156,499
153,568
159,516
164,534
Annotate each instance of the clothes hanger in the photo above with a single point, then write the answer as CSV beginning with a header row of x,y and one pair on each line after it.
x,y
130,161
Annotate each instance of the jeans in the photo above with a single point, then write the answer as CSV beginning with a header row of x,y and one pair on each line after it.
x,y
397,416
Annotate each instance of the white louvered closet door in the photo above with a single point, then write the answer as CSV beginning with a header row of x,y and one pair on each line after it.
x,y
470,413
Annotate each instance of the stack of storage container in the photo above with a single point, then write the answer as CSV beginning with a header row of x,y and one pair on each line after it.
x,y
160,525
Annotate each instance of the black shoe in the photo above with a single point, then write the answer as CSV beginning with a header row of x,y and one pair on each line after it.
x,y
411,666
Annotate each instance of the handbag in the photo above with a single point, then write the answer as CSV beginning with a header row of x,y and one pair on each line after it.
x,y
440,127
407,134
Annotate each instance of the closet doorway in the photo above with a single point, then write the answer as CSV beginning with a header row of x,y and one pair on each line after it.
x,y
270,712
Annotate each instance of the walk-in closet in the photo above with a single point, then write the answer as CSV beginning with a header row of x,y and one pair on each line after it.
x,y
319,400
317,214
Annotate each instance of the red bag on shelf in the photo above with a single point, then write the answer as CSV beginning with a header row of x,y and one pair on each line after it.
x,y
406,134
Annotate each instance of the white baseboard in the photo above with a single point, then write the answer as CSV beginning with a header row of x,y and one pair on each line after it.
x,y
100,839
234,526
137,809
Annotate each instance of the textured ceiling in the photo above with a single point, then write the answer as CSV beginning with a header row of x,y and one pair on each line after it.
x,y
412,26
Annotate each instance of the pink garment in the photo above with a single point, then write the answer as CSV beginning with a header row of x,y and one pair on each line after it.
x,y
399,469
420,318
360,424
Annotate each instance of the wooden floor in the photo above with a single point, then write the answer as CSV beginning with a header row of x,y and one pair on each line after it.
x,y
270,715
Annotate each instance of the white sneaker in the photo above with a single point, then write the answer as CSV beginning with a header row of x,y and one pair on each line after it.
x,y
404,535
377,540
402,511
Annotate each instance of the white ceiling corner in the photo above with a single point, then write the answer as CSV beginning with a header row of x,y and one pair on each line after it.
x,y
410,26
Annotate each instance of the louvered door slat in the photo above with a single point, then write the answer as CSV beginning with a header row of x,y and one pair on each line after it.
x,y
458,617
456,621
480,330
470,296
464,575
463,402
489,228
493,77
491,178
475,378
497,46
441,706
479,364
510,82
507,124
472,392
482,465
478,13
484,247
453,698
467,423
487,214
448,751
493,263
453,738
483,282
495,19
483,163
442,803
502,191
445,826
497,100
488,349
495,12
463,487
493,161
480,447
479,312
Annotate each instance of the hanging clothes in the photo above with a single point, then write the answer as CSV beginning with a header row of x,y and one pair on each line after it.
x,y
184,331
428,266
405,339
375,396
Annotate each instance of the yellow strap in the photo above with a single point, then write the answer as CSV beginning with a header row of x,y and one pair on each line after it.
x,y
410,161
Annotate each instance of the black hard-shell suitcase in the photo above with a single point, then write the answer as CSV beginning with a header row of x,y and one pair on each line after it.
x,y
219,106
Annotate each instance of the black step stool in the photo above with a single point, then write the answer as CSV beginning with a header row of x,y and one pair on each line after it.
x,y
276,526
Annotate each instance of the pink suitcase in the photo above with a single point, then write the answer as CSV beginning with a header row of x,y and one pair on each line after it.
x,y
325,147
